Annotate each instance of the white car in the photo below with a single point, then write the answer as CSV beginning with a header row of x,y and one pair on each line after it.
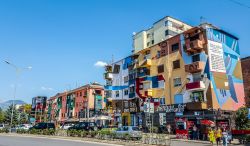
x,y
1,126
24,127
66,126
132,131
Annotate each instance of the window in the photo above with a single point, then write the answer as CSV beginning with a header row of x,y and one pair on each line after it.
x,y
126,92
132,89
162,101
146,85
196,58
116,93
148,43
158,54
125,79
80,93
161,84
168,23
170,32
175,47
152,42
176,64
195,37
177,82
160,68
116,68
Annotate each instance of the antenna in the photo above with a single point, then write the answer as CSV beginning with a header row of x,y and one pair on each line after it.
x,y
112,59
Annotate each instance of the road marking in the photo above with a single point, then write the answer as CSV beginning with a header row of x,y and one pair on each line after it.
x,y
65,139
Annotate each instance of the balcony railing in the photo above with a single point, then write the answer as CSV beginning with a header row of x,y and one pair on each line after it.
x,y
196,105
145,63
195,86
194,67
108,76
194,46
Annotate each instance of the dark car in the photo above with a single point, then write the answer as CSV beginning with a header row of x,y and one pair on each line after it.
x,y
43,126
84,126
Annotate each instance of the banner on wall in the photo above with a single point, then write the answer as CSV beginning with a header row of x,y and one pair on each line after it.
x,y
216,59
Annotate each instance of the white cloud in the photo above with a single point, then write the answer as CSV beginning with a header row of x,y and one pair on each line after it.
x,y
100,64
47,88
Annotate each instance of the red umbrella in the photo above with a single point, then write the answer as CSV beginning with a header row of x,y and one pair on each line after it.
x,y
207,122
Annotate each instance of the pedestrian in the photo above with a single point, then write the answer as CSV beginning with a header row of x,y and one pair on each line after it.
x,y
218,135
211,136
224,137
194,132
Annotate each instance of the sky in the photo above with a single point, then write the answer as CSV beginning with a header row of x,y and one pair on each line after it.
x,y
68,41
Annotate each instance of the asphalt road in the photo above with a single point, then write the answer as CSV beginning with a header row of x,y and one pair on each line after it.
x,y
35,141
43,141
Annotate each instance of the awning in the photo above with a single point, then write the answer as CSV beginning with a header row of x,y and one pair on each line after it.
x,y
207,122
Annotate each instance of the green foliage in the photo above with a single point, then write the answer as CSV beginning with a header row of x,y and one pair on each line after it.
x,y
77,133
8,113
23,118
241,119
4,130
1,116
22,131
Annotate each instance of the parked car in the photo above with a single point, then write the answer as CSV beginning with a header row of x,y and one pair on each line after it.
x,y
132,131
43,126
24,127
84,126
66,126
2,126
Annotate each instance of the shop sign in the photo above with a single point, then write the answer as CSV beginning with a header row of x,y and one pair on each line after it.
x,y
148,107
181,134
171,108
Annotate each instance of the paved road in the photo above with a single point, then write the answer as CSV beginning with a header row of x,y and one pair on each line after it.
x,y
34,141
42,141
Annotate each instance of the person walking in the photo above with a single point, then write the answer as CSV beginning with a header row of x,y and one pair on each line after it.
x,y
194,132
225,137
211,136
218,135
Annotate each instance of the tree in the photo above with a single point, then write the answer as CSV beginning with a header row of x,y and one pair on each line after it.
x,y
241,120
23,118
1,116
8,114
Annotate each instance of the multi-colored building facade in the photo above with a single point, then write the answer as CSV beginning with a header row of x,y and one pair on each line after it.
x,y
77,104
245,62
193,75
38,109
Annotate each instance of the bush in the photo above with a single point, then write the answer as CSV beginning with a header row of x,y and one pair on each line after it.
x,y
4,130
21,131
76,133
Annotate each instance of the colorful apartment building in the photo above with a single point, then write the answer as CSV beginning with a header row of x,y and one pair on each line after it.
x,y
192,76
245,62
161,30
38,109
77,104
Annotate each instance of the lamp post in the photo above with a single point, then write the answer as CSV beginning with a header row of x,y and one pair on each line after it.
x,y
18,71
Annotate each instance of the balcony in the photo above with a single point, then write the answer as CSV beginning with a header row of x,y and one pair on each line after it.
x,y
148,92
194,46
145,63
195,67
108,76
196,105
195,86
108,68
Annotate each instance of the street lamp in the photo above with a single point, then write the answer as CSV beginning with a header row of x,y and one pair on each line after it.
x,y
18,71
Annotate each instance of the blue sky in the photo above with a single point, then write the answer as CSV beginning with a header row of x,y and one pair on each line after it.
x,y
62,40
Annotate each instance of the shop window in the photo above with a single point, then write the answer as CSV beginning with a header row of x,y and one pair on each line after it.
x,y
176,64
177,82
132,89
125,79
175,47
160,68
